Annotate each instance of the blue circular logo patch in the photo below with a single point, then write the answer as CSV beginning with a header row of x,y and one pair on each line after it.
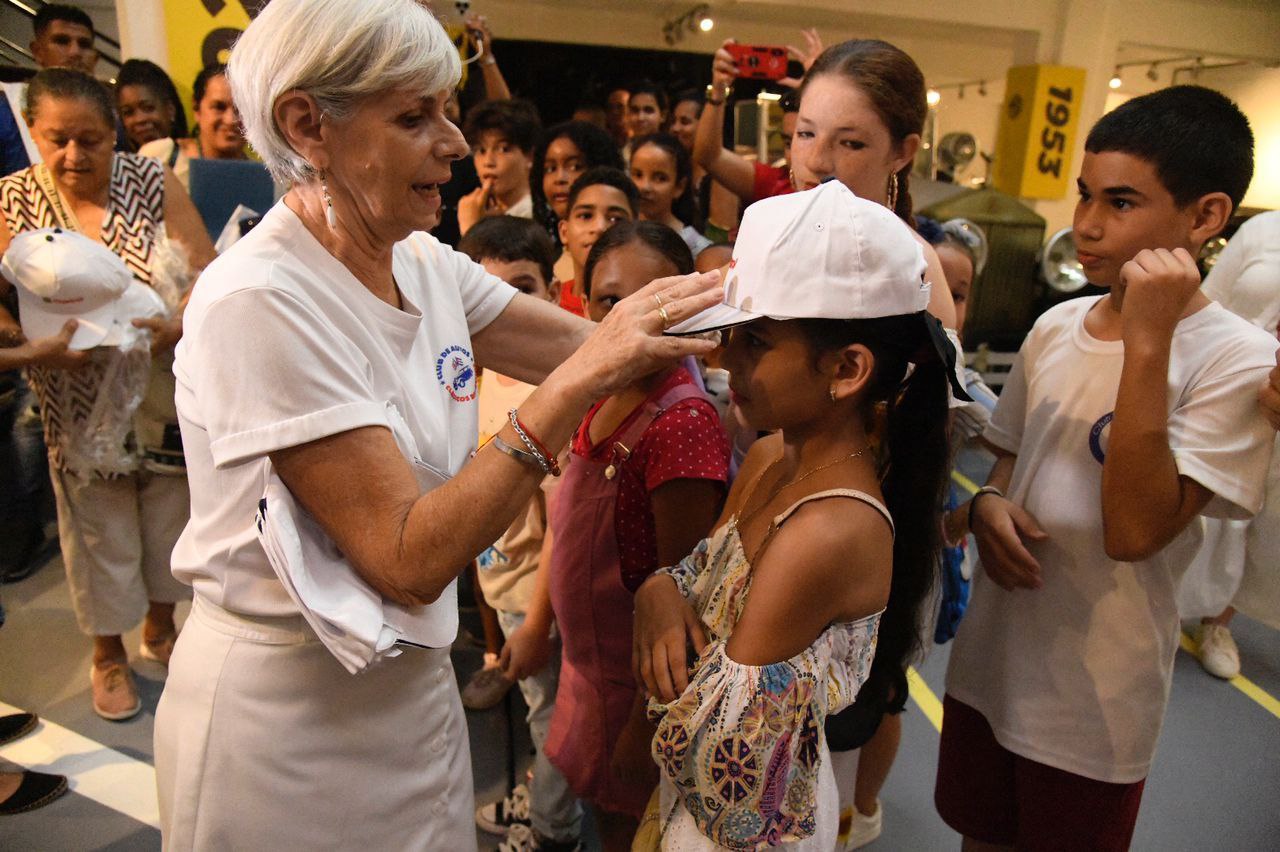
x,y
456,371
1096,436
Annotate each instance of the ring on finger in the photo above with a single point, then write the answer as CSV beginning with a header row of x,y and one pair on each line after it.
x,y
666,320
657,298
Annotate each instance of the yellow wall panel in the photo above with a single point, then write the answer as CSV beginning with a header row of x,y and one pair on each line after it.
x,y
1039,121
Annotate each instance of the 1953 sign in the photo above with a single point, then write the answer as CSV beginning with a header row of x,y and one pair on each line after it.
x,y
1038,131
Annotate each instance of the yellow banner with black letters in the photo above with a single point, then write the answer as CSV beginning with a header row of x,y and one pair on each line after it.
x,y
1037,134
202,32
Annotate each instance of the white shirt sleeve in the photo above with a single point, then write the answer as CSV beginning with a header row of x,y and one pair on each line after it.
x,y
484,296
1010,415
1220,439
1246,277
269,373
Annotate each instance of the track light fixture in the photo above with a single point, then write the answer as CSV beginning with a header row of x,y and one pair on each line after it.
x,y
696,20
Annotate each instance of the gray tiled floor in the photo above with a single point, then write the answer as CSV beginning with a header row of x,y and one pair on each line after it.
x,y
1215,784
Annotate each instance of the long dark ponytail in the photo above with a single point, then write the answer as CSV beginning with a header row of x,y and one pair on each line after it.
x,y
908,394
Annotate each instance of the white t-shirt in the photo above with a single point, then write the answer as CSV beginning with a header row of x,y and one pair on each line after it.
x,y
282,345
1246,278
1076,674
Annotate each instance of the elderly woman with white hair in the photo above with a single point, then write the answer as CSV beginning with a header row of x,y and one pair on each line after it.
x,y
333,350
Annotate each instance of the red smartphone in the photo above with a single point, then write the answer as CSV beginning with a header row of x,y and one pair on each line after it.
x,y
759,62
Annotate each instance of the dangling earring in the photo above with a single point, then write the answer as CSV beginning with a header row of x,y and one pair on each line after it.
x,y
831,392
329,216
893,191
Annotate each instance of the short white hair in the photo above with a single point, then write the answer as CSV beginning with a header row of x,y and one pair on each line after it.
x,y
339,52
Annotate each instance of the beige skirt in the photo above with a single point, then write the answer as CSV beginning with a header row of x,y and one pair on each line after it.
x,y
264,741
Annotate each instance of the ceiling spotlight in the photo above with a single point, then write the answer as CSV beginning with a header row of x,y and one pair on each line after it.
x,y
1153,73
933,97
1115,82
706,24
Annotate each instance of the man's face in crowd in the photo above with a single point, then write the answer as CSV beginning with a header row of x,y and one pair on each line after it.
x,y
65,45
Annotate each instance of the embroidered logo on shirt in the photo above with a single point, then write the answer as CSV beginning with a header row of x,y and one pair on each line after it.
x,y
1096,436
456,372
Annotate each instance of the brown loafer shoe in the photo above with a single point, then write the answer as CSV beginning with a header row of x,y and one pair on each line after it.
x,y
115,697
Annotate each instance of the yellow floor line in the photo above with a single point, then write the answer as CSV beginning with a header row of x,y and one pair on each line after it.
x,y
1264,699
964,482
924,698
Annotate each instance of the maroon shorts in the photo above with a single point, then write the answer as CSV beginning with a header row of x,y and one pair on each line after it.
x,y
988,793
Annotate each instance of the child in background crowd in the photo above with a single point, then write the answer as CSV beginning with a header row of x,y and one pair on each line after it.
x,y
1147,396
647,111
544,815
599,199
644,481
563,153
786,601
958,243
663,174
502,135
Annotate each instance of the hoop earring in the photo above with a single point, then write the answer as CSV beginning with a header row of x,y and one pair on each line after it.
x,y
329,216
893,191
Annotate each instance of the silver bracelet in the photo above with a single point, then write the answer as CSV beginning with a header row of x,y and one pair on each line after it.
x,y
519,455
973,501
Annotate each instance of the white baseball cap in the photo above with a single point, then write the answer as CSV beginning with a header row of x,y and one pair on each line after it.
x,y
64,275
826,254
819,254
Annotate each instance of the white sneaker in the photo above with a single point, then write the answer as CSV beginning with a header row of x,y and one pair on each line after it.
x,y
865,828
1218,652
521,838
497,817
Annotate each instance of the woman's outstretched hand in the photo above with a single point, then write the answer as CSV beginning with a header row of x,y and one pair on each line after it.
x,y
665,624
629,344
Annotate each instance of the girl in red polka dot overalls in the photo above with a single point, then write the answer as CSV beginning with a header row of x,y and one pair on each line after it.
x,y
645,481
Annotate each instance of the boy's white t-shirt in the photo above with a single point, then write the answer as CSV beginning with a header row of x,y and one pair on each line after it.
x,y
1076,674
282,345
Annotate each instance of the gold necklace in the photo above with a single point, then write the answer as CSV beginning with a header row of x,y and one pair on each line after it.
x,y
741,520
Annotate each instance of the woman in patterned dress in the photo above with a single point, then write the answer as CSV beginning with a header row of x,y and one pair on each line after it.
x,y
117,522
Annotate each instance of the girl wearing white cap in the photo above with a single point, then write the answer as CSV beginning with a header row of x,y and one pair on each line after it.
x,y
829,541
862,113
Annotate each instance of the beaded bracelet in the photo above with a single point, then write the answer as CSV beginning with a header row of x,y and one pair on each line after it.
x,y
548,461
